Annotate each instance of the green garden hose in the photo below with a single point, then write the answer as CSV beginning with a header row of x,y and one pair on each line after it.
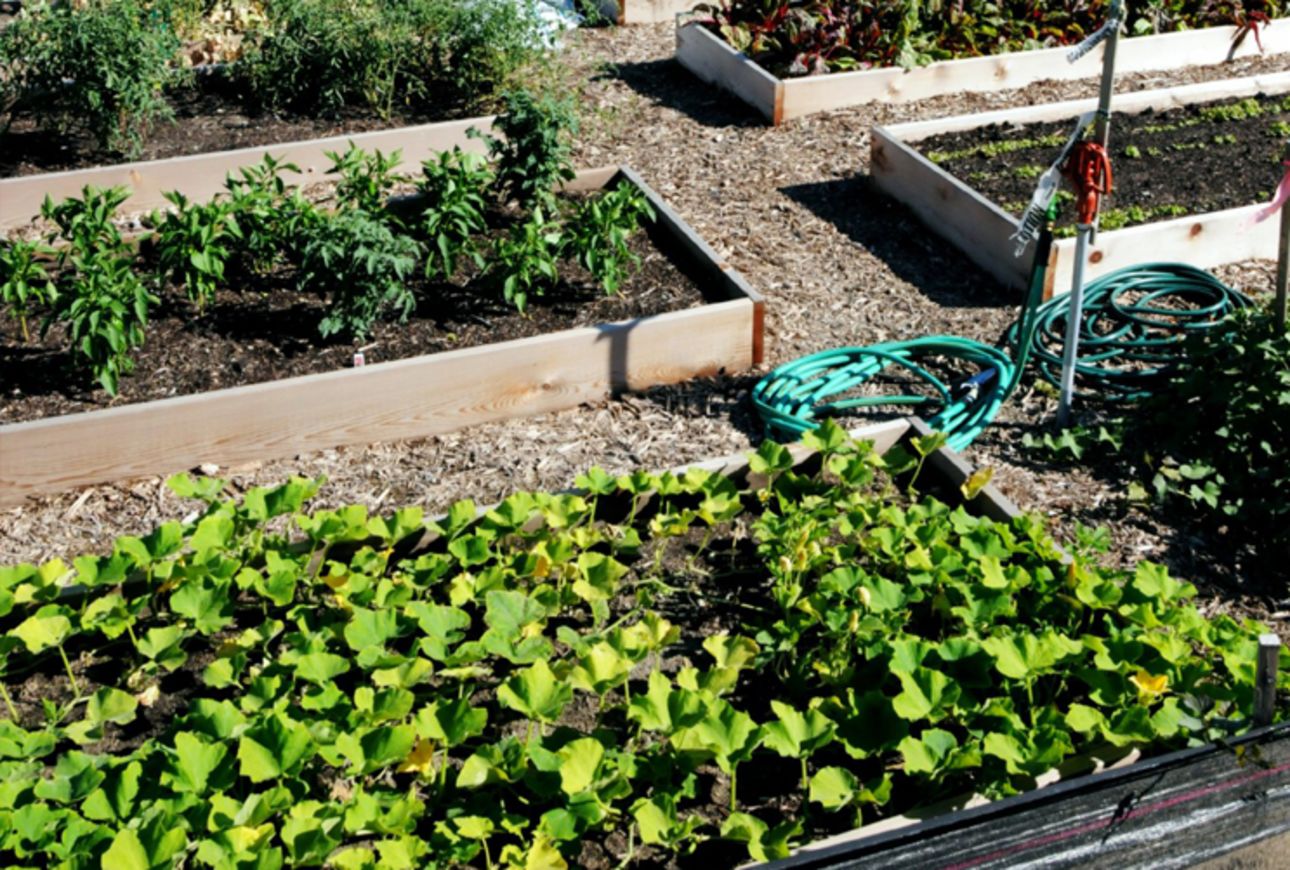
x,y
1134,323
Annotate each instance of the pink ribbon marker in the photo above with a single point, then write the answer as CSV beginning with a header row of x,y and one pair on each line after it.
x,y
1283,193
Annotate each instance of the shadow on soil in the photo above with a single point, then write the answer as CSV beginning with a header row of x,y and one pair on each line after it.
x,y
1219,561
892,233
723,397
668,83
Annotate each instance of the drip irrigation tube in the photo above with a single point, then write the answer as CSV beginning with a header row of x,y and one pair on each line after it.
x,y
1134,323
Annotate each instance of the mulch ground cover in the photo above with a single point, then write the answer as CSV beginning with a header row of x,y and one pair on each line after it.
x,y
1185,161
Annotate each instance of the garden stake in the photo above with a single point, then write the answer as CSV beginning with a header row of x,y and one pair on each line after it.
x,y
1280,204
1092,177
1265,680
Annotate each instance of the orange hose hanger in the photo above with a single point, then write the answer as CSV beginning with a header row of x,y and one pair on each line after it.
x,y
1089,170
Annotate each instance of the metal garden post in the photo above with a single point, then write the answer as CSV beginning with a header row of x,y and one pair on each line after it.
x,y
1088,215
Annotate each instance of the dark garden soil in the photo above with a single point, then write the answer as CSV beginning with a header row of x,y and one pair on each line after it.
x,y
1190,160
269,330
205,121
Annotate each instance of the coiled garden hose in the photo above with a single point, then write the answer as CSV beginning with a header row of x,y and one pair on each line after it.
x,y
1134,323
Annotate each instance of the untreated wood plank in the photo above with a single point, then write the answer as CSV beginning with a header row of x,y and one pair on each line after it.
x,y
1204,241
645,11
948,206
1127,103
717,63
201,176
395,400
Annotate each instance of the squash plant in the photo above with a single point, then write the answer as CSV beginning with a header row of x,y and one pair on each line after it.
x,y
497,687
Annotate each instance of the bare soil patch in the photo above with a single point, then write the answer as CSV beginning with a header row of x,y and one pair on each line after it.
x,y
1189,160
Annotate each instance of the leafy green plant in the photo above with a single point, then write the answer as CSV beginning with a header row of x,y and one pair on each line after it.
x,y
100,296
453,186
1212,432
363,267
525,262
270,216
366,178
596,234
191,243
102,65
533,153
485,688
24,282
810,37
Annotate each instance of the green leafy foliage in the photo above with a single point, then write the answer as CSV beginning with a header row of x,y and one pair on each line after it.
x,y
100,296
453,186
366,178
24,281
192,245
102,66
505,687
363,267
1215,435
811,37
525,262
321,56
596,234
533,153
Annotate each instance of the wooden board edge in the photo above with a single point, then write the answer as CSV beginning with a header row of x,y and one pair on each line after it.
x,y
200,176
402,399
1204,241
798,97
715,62
730,283
948,206
652,11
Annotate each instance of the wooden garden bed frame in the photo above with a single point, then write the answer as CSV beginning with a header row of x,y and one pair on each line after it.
x,y
779,100
409,398
200,176
645,11
980,228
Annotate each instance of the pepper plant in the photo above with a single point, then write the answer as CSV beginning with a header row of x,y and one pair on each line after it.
x,y
24,281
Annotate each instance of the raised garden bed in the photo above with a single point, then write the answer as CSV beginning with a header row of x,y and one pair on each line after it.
x,y
653,664
201,176
779,100
1206,806
953,208
416,396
